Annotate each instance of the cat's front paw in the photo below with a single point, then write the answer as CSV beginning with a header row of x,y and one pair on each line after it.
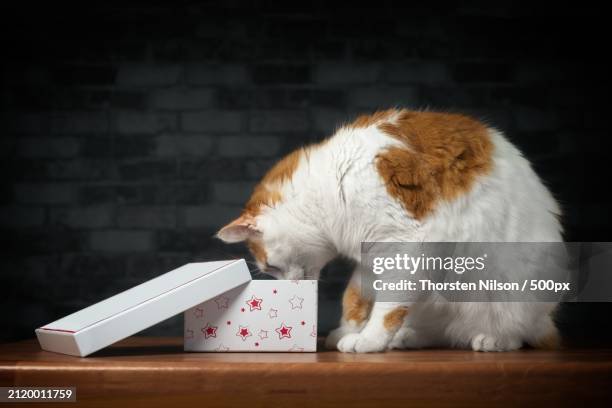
x,y
334,336
485,342
360,343
405,338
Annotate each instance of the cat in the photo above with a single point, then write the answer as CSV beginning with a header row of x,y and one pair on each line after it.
x,y
404,176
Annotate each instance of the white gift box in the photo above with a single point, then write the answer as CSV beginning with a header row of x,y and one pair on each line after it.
x,y
142,306
264,315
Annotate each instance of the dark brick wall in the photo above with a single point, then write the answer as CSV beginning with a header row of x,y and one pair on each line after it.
x,y
131,133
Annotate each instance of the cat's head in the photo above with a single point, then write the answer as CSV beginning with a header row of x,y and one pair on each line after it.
x,y
277,230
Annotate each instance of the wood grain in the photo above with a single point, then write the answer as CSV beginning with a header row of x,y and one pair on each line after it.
x,y
155,371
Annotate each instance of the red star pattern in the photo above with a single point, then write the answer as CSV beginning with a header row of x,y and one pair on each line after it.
x,y
209,331
283,331
244,332
254,303
256,330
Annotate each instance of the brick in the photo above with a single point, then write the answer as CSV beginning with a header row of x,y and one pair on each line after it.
x,y
328,120
232,192
92,265
198,241
148,74
96,147
216,74
212,121
29,242
241,146
36,147
256,169
133,145
281,74
183,98
279,121
143,122
146,217
148,265
44,193
185,193
346,73
417,72
75,122
212,168
121,241
149,170
81,123
212,216
183,145
236,98
129,100
77,169
381,97
328,98
22,217
82,217
281,98
147,194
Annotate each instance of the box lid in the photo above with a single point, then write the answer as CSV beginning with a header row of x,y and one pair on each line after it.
x,y
147,304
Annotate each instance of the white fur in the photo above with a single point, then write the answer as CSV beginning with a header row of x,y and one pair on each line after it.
x,y
336,200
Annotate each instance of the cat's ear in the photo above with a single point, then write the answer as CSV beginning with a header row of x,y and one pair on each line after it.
x,y
238,230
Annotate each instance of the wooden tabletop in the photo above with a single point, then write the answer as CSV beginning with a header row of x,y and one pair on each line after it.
x,y
155,371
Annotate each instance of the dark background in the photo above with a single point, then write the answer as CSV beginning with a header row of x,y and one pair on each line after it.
x,y
131,133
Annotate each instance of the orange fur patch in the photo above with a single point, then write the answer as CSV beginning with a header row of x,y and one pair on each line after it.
x,y
444,155
354,307
264,193
395,318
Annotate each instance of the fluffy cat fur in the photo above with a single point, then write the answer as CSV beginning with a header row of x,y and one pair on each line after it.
x,y
401,175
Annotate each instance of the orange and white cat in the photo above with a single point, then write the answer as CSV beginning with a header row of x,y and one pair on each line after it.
x,y
394,176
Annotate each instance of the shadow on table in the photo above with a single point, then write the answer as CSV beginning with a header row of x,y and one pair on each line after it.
x,y
120,351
